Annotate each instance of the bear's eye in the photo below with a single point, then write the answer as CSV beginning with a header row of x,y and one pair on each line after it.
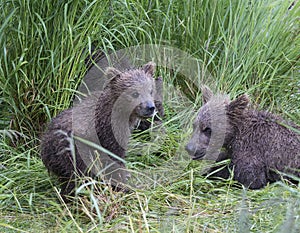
x,y
135,94
151,92
207,131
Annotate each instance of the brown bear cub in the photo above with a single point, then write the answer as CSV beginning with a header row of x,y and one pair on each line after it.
x,y
260,145
106,119
94,78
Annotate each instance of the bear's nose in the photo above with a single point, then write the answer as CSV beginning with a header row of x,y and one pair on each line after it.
x,y
190,148
150,107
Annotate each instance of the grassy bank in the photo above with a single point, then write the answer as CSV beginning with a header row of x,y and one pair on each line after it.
x,y
239,46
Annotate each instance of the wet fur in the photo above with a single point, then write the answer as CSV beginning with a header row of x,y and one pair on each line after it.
x,y
57,142
258,143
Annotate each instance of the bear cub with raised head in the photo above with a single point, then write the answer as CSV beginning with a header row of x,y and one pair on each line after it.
x,y
107,120
259,144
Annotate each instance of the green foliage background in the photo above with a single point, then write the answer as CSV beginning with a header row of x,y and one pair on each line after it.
x,y
247,46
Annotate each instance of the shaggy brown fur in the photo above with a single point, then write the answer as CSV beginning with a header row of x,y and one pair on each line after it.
x,y
106,120
258,143
145,124
94,78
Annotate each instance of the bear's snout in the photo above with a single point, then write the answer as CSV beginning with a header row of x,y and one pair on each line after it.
x,y
150,107
194,152
190,148
146,109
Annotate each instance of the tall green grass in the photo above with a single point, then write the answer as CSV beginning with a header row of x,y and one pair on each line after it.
x,y
245,46
41,59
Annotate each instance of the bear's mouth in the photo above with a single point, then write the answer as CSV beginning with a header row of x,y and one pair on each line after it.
x,y
198,155
145,112
145,116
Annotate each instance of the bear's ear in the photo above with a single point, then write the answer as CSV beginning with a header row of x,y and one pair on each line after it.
x,y
206,94
149,68
236,107
112,75
112,72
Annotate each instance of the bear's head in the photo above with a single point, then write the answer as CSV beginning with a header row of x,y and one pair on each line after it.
x,y
215,125
133,90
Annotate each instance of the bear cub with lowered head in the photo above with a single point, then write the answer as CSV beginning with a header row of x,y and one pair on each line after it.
x,y
259,144
106,119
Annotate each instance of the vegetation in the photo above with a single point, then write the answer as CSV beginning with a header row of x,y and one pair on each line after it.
x,y
244,46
